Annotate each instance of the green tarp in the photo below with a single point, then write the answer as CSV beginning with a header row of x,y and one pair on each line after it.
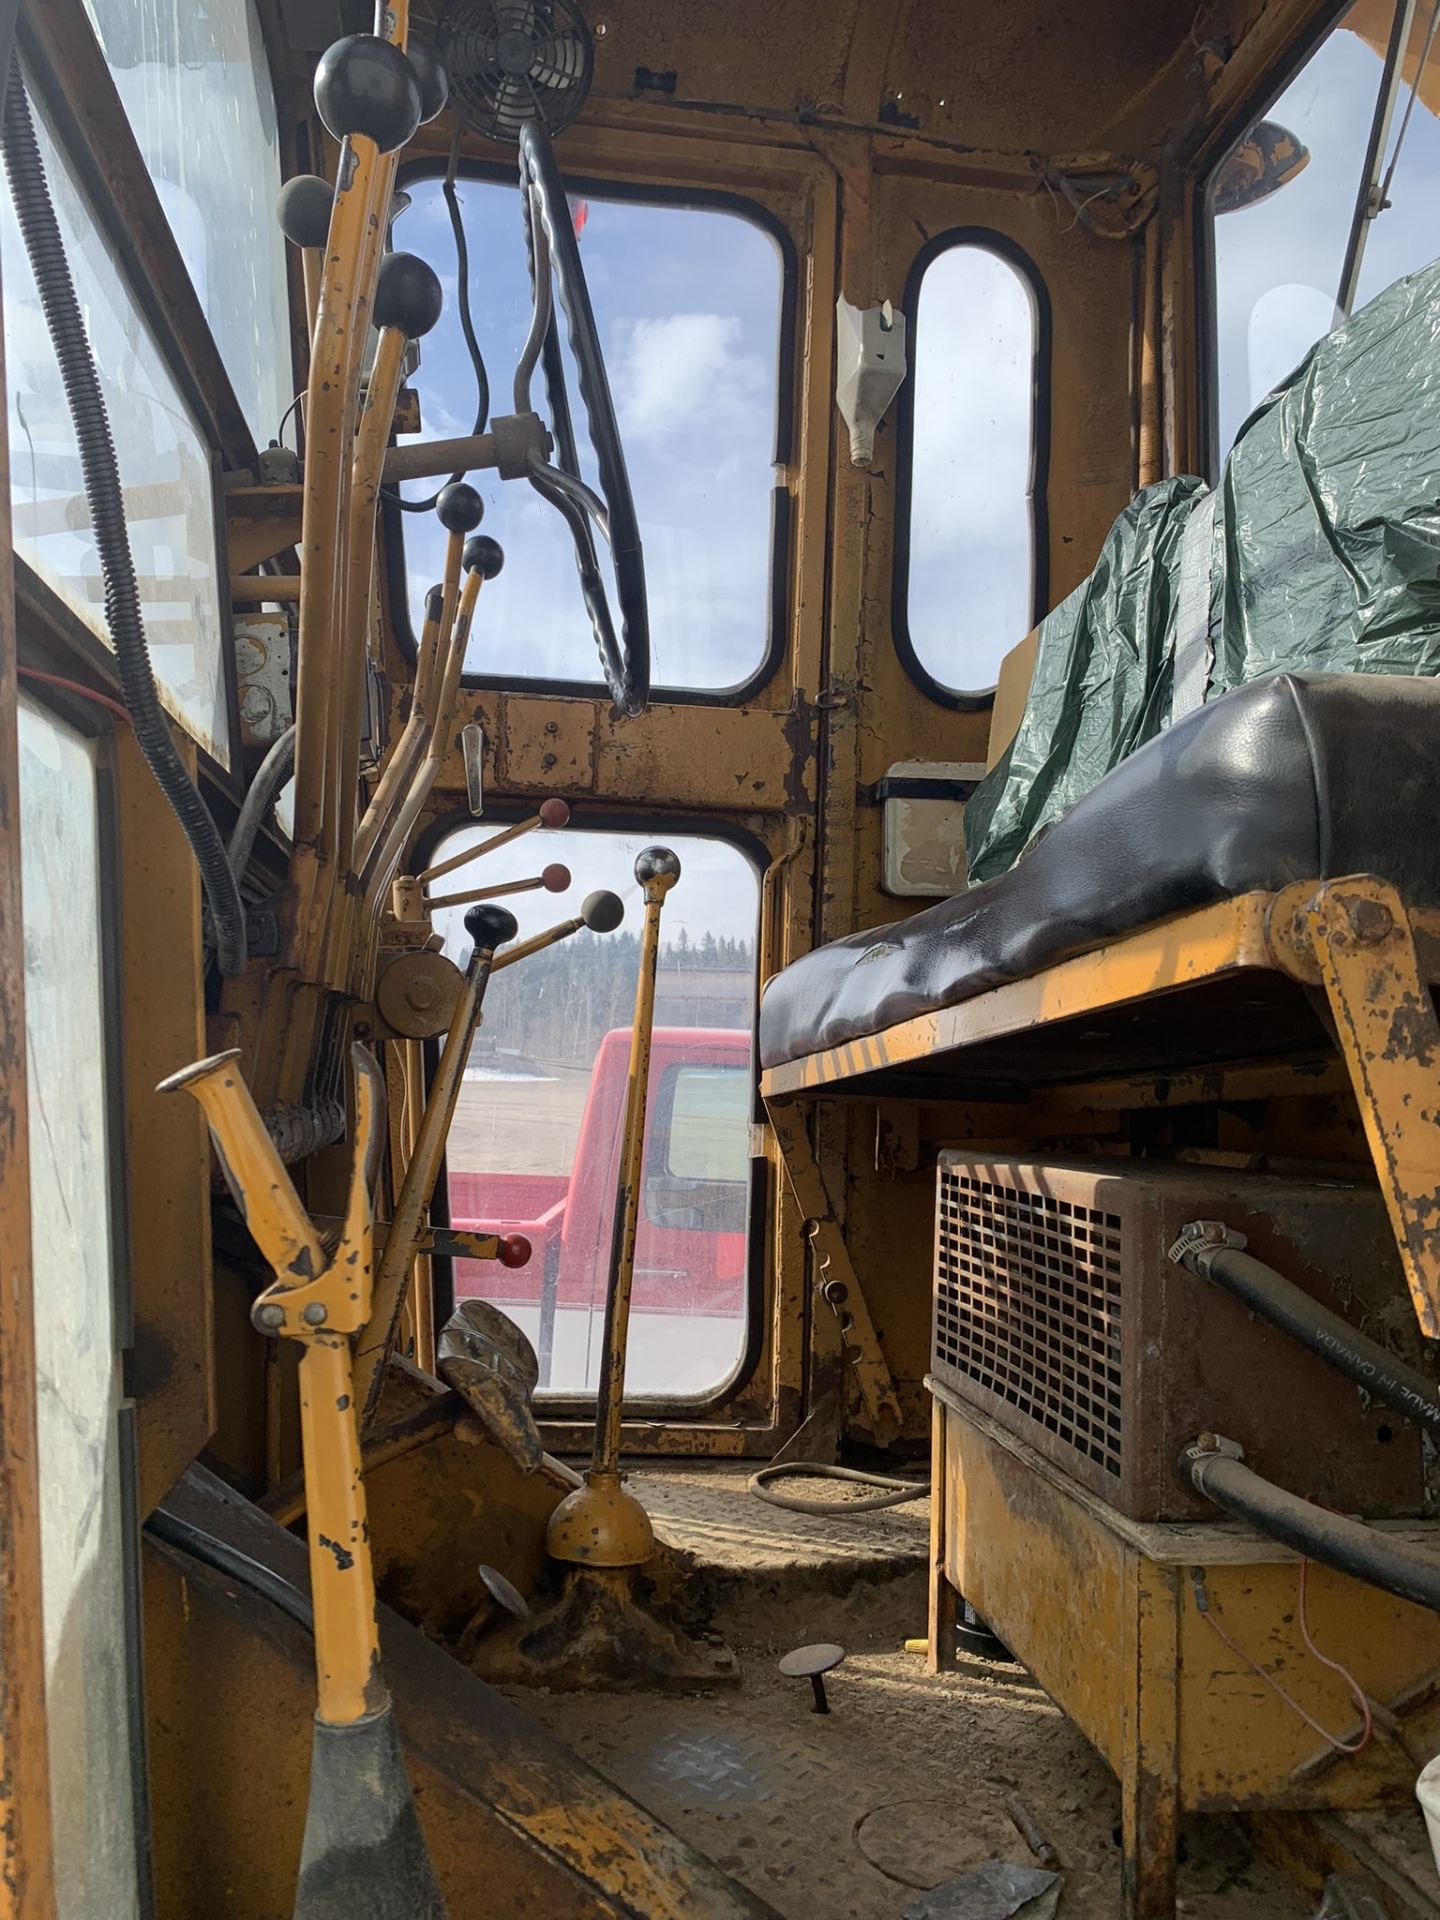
x,y
1325,555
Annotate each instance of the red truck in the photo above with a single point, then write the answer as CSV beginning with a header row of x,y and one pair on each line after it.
x,y
688,1303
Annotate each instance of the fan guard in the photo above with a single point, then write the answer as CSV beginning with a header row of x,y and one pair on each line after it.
x,y
509,61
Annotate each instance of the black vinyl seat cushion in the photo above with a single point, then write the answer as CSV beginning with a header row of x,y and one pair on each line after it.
x,y
1298,776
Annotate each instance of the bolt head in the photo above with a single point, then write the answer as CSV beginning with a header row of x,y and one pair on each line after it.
x,y
270,1317
314,1315
1371,921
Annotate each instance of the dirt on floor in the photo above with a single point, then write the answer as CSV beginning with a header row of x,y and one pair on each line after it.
x,y
902,1785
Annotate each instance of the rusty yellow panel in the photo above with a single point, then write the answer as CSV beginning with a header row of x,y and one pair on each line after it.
x,y
720,760
1051,1583
168,1150
546,744
1239,1742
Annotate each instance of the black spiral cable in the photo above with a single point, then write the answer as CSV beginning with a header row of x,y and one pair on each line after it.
x,y
123,618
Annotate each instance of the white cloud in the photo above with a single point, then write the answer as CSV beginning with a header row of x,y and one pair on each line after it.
x,y
684,373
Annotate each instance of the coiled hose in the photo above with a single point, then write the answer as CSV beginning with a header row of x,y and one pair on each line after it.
x,y
123,618
899,1490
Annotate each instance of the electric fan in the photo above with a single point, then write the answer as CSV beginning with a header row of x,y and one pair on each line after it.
x,y
510,61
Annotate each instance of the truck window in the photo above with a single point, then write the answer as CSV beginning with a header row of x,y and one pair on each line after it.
x,y
697,1176
535,1144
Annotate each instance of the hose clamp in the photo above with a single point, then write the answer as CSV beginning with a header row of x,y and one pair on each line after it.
x,y
1202,1451
1201,1239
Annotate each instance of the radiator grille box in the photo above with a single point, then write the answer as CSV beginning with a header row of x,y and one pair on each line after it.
x,y
1058,1313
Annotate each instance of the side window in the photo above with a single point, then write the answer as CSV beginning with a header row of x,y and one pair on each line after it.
x,y
87,1545
1326,199
966,542
688,303
195,85
535,1147
164,462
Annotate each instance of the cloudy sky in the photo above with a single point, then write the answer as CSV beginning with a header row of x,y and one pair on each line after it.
x,y
688,306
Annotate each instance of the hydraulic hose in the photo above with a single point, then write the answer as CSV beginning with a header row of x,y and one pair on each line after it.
x,y
1284,1305
123,618
270,776
219,1554
1346,1545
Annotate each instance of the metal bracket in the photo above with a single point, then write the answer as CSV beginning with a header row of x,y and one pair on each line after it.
x,y
1353,937
839,1283
336,1302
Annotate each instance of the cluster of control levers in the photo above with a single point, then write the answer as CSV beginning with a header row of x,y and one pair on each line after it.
x,y
342,1297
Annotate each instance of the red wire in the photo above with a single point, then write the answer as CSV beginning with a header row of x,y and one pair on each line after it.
x,y
74,686
1367,1720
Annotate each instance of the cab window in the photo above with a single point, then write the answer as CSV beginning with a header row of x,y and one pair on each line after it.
x,y
534,1148
195,85
1325,200
688,304
966,545
165,463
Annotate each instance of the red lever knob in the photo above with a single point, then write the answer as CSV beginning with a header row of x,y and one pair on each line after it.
x,y
514,1250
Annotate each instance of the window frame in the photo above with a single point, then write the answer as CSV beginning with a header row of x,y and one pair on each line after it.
x,y
564,1414
782,506
987,240
1253,106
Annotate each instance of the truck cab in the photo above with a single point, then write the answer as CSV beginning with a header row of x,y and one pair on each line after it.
x,y
690,1245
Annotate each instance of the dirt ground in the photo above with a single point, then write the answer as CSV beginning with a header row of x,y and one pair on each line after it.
x,y
518,1126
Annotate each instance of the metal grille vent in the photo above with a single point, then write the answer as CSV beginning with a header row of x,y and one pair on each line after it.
x,y
1028,1307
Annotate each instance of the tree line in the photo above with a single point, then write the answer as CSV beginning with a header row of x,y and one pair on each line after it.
x,y
557,1006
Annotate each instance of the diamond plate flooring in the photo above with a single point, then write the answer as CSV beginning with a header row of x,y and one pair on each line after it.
x,y
844,1816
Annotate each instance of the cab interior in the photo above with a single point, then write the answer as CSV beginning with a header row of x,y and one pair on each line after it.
x,y
718,928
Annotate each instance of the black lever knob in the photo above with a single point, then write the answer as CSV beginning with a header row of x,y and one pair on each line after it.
x,y
489,925
303,208
365,85
407,295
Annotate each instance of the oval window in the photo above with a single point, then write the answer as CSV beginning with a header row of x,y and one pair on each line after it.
x,y
969,547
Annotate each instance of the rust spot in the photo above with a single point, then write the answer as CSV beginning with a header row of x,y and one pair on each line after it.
x,y
344,1559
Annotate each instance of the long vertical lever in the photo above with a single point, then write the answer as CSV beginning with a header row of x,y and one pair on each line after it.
x,y
363,1852
601,1524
